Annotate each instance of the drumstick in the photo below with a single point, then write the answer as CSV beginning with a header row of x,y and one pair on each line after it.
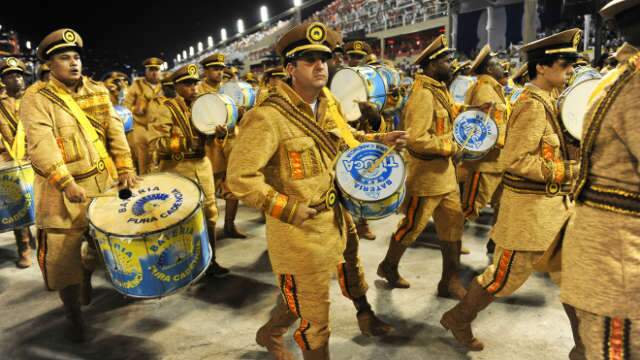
x,y
102,195
381,159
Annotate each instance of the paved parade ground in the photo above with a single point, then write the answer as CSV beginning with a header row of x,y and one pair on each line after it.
x,y
217,318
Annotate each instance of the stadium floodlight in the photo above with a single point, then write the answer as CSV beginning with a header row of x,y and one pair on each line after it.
x,y
184,54
210,41
179,58
264,13
28,45
297,3
200,47
240,26
223,34
191,52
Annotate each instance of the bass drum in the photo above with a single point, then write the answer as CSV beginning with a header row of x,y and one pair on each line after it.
x,y
358,84
573,104
211,110
476,133
242,93
155,242
459,87
16,194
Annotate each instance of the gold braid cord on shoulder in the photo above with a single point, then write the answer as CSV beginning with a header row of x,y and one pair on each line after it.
x,y
554,122
179,116
58,101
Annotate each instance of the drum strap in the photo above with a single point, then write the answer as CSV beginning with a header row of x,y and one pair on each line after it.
x,y
17,149
181,118
341,123
70,105
554,123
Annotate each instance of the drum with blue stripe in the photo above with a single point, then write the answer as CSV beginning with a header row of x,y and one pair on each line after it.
x,y
16,195
242,93
211,110
371,188
155,242
476,133
126,116
352,85
515,94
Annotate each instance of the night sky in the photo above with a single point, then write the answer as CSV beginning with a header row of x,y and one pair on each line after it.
x,y
119,33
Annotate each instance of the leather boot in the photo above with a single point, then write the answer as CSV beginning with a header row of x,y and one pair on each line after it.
x,y
321,353
371,325
459,319
270,335
230,212
23,241
215,269
75,327
363,230
86,289
578,350
388,268
450,284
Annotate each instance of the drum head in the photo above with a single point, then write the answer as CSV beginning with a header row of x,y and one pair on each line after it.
x,y
473,133
355,180
584,73
459,87
159,202
242,94
208,112
573,105
348,87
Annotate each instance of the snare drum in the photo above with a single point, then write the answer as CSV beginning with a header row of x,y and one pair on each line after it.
x,y
476,133
370,195
155,242
584,73
242,93
16,195
573,104
211,110
358,84
126,116
459,87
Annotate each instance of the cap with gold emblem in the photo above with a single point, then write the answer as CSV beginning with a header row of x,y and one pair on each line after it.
x,y
250,78
357,47
216,59
458,66
564,44
166,79
618,7
277,71
153,62
59,40
314,36
185,73
12,64
372,59
438,47
483,55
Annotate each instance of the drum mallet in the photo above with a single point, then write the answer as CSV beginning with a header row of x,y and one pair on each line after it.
x,y
123,194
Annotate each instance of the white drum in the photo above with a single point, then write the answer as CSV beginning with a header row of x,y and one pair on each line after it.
x,y
573,103
476,133
242,93
358,84
459,87
211,110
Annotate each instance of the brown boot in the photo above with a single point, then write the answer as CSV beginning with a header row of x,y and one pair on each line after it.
x,y
270,335
230,212
459,319
363,230
75,328
371,325
321,353
86,289
450,284
388,268
578,350
23,241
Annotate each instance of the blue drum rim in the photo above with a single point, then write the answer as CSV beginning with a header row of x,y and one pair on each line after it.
x,y
364,81
33,200
476,152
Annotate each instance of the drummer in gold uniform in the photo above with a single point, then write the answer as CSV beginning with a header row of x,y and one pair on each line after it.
x,y
538,175
70,124
12,71
282,164
601,248
139,94
181,148
356,52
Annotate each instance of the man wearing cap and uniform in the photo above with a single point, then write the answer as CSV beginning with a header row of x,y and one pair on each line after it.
x,y
155,108
13,142
269,80
77,147
139,94
357,51
180,148
535,202
601,247
432,189
282,164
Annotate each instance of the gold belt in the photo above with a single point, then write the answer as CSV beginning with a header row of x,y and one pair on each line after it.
x,y
182,156
328,201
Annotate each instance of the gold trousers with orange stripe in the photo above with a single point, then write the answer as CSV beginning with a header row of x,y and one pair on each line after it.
x,y
60,257
510,270
609,338
479,190
446,212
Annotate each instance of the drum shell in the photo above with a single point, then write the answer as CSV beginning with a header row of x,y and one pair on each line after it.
x,y
370,81
584,73
126,116
568,115
373,210
243,94
230,115
16,191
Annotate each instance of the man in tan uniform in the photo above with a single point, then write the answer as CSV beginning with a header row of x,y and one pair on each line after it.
x,y
218,150
139,94
282,164
601,248
357,51
538,175
11,74
181,148
70,123
431,180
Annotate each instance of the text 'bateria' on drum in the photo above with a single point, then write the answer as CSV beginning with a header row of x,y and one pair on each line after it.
x,y
476,133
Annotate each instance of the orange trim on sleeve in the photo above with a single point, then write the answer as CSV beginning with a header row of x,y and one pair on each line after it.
x,y
279,203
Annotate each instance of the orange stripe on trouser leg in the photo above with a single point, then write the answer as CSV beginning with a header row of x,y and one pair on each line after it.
x,y
501,272
342,279
300,335
471,195
42,253
409,219
288,290
616,339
